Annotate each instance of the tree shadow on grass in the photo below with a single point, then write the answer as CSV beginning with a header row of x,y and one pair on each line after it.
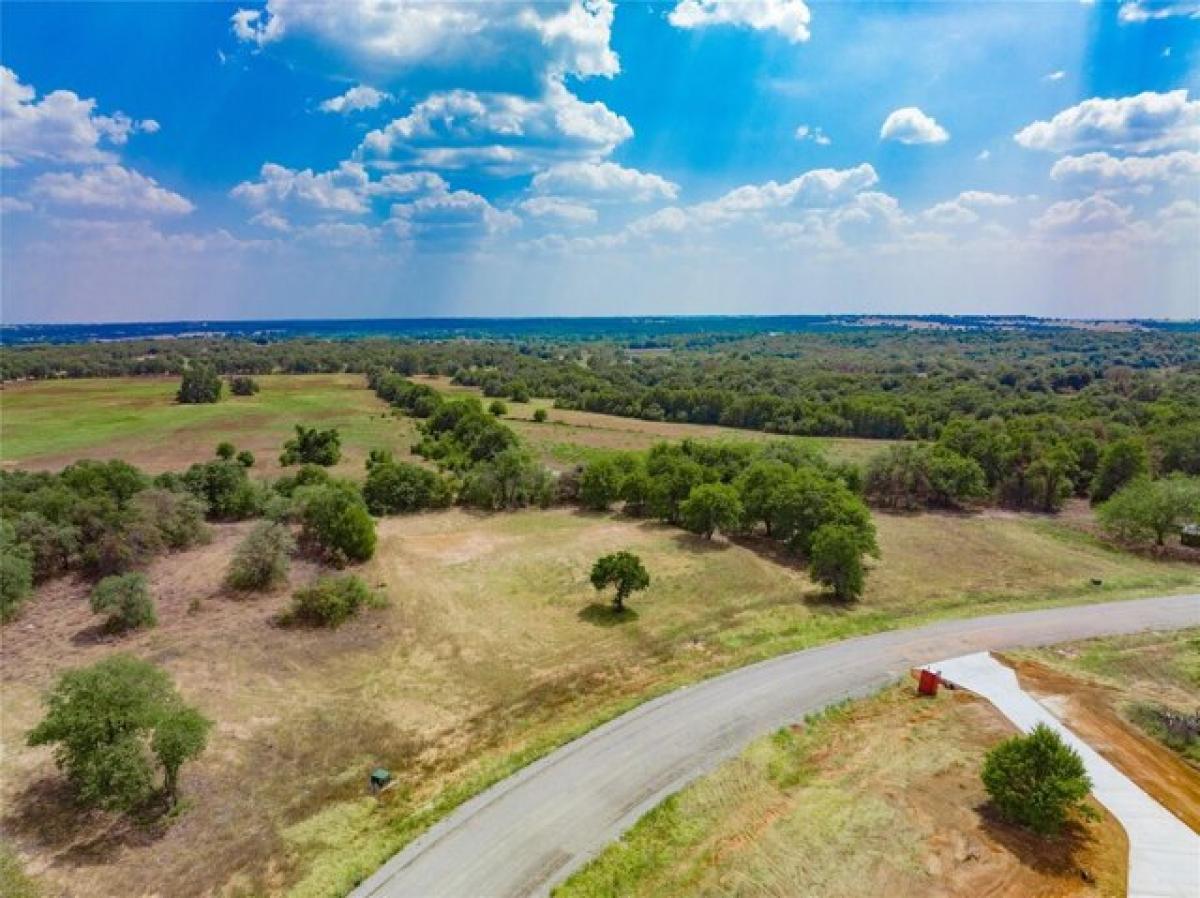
x,y
603,615
45,812
1057,855
698,545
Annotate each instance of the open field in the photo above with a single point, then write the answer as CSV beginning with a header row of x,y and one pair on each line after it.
x,y
572,436
493,650
46,425
49,424
878,797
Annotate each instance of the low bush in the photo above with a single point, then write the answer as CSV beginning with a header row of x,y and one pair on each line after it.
x,y
1036,780
331,601
261,561
16,573
312,447
336,522
126,600
242,385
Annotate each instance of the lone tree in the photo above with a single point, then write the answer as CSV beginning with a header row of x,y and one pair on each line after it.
x,y
1036,780
200,384
107,721
1145,511
623,570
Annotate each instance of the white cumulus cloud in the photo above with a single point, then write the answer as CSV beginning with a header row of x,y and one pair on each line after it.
x,y
1147,122
554,37
1095,214
60,127
814,133
1100,170
790,18
356,99
502,132
912,126
604,180
109,187
559,209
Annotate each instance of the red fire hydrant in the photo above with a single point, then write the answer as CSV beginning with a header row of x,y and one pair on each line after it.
x,y
927,682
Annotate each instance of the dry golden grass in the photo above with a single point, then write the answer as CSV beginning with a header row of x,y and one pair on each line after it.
x,y
493,649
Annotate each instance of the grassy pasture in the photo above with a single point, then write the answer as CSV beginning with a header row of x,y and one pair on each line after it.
x,y
494,648
573,436
48,424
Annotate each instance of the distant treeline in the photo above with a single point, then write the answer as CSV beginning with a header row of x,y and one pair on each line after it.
x,y
1008,398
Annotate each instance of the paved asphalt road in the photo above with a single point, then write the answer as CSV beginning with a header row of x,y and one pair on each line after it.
x,y
532,830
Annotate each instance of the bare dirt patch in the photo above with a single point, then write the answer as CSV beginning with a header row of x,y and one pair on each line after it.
x,y
1090,709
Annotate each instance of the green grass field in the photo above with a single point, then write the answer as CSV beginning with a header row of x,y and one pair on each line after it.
x,y
48,424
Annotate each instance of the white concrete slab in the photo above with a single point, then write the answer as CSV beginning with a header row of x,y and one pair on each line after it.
x,y
1164,854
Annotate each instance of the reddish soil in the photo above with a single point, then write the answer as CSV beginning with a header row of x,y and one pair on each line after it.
x,y
1091,710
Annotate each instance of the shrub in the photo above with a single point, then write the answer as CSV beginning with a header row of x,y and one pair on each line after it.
x,y
512,479
540,416
200,384
337,523
1036,780
126,600
261,561
241,385
498,408
52,547
312,447
836,560
178,517
16,573
625,571
331,601
130,542
225,488
99,718
397,487
245,458
225,451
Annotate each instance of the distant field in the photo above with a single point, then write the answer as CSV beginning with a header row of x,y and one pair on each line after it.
x,y
493,650
49,424
571,436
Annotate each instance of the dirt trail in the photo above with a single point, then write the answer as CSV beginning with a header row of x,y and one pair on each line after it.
x,y
1090,709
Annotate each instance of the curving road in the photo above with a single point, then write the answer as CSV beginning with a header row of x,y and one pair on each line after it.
x,y
532,830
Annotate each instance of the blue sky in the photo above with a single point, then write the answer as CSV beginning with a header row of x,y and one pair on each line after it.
x,y
308,159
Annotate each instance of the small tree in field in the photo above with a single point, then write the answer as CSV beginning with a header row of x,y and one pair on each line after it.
x,y
1036,780
540,416
625,571
312,447
126,600
200,384
1146,510
180,734
100,719
836,560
